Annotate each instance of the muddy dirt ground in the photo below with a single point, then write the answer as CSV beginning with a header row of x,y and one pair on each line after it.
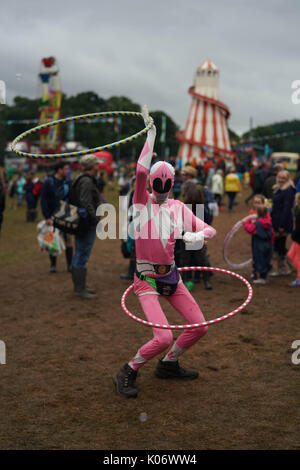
x,y
56,387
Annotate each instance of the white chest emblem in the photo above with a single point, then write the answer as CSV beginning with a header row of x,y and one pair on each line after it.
x,y
164,225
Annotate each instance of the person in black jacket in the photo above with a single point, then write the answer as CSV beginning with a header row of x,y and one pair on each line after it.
x,y
282,219
56,188
87,199
271,181
31,197
294,251
193,194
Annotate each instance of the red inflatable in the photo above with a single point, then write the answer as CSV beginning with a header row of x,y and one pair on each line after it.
x,y
48,61
105,161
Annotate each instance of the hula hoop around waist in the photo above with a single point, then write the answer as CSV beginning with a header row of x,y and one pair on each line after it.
x,y
194,325
81,152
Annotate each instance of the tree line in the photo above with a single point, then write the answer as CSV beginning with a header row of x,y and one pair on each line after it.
x,y
90,134
98,133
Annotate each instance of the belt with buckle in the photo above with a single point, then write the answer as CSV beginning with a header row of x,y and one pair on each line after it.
x,y
162,269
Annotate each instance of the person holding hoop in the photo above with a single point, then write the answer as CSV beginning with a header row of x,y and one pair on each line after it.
x,y
163,221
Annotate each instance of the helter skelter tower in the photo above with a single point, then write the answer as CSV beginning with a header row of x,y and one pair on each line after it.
x,y
205,133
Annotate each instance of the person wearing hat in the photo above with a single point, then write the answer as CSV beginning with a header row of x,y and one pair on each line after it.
x,y
86,197
189,173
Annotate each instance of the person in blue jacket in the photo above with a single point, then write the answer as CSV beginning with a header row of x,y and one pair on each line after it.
x,y
282,219
56,188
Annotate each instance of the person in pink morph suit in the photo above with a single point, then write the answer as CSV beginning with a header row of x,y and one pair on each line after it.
x,y
165,220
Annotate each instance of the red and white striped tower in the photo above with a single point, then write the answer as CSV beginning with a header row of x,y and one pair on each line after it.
x,y
206,133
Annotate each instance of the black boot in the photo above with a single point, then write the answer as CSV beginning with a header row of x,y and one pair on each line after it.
x,y
52,264
89,289
131,270
69,256
172,370
124,381
79,276
34,215
197,277
206,276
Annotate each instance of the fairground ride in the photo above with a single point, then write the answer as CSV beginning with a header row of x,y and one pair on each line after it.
x,y
49,105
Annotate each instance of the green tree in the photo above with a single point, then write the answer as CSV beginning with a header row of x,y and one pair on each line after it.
x,y
171,129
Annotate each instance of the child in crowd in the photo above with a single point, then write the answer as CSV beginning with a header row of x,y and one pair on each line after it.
x,y
262,240
258,200
294,251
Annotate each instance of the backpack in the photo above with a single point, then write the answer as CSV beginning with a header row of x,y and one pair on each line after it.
x,y
73,199
67,217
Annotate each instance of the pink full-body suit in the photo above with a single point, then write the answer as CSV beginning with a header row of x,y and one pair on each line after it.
x,y
154,246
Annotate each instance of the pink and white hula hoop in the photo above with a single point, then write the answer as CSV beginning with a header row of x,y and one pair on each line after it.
x,y
229,236
194,325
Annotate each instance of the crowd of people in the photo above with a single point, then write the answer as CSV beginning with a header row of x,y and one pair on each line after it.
x,y
272,192
274,195
277,219
20,187
86,191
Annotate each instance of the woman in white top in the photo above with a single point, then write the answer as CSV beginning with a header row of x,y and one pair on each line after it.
x,y
218,186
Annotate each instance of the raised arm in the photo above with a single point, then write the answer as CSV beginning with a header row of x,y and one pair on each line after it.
x,y
143,165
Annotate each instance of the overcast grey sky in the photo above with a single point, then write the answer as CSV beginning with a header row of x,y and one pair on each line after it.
x,y
149,51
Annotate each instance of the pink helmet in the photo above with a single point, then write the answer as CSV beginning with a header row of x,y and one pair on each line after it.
x,y
161,179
